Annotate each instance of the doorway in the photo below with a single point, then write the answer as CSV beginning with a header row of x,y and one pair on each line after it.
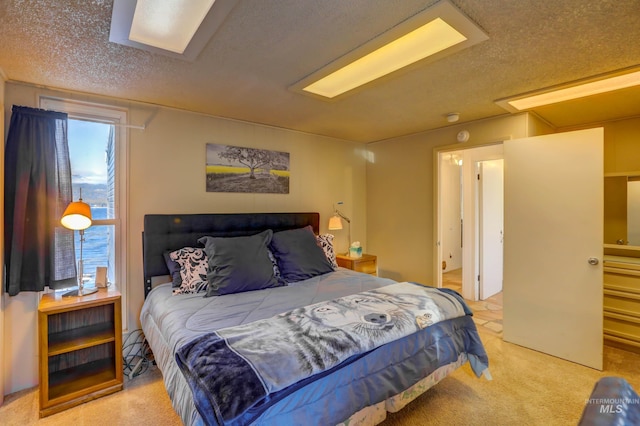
x,y
553,225
458,241
470,212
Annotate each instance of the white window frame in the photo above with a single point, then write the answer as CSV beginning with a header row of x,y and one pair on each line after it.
x,y
95,112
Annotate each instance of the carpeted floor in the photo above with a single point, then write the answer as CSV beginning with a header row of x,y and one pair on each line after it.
x,y
528,388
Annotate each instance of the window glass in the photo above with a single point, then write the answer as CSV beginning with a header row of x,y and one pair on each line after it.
x,y
90,149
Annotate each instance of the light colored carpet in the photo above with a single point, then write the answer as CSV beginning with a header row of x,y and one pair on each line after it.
x,y
143,401
528,388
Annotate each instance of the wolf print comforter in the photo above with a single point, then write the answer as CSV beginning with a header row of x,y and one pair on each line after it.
x,y
237,372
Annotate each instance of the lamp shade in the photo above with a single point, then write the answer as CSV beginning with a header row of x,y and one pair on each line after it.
x,y
77,216
335,223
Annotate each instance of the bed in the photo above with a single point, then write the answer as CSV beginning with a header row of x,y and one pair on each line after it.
x,y
221,347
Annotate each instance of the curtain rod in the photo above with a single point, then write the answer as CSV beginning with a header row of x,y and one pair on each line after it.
x,y
97,120
131,126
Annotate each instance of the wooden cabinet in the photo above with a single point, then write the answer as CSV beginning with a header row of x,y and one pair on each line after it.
x,y
621,265
622,302
80,341
368,263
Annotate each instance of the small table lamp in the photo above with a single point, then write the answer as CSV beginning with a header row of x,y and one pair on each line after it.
x,y
335,223
77,217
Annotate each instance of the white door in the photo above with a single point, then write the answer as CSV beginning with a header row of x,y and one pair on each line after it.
x,y
490,212
470,232
553,230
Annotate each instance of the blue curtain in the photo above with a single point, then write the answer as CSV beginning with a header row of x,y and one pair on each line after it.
x,y
38,251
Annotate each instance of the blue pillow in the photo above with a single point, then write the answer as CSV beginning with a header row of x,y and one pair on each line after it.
x,y
238,264
298,254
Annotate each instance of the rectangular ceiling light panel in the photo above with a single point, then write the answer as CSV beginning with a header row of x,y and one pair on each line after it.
x,y
433,33
179,29
425,41
602,85
168,24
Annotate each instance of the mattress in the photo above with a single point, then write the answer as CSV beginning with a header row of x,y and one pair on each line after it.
x,y
169,322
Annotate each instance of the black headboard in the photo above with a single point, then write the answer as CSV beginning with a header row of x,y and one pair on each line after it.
x,y
164,232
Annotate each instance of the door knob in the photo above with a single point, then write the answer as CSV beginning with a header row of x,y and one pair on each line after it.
x,y
593,261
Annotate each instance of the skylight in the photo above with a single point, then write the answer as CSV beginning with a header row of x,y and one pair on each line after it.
x,y
168,24
176,28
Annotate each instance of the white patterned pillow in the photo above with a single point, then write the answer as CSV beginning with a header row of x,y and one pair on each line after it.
x,y
193,269
325,241
276,270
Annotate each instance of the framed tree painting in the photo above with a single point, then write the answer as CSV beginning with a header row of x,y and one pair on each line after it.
x,y
239,169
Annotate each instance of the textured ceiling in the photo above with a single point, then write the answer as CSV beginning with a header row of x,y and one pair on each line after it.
x,y
265,46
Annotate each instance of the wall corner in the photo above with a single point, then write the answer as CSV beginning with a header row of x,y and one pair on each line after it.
x,y
3,78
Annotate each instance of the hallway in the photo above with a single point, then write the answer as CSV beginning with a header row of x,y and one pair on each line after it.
x,y
487,314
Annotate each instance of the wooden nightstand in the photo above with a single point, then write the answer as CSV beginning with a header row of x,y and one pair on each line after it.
x,y
368,263
80,341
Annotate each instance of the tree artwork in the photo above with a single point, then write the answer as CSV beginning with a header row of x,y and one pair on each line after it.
x,y
252,158
241,169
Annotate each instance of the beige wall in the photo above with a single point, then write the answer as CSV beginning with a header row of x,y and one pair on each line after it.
x,y
400,191
2,345
166,175
621,144
451,213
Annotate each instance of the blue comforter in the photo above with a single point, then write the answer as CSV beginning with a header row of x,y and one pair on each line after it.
x,y
238,372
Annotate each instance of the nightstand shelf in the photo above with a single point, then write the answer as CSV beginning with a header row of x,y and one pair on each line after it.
x,y
367,264
79,338
80,349
80,379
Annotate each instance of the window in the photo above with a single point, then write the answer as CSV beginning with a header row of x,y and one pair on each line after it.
x,y
97,148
